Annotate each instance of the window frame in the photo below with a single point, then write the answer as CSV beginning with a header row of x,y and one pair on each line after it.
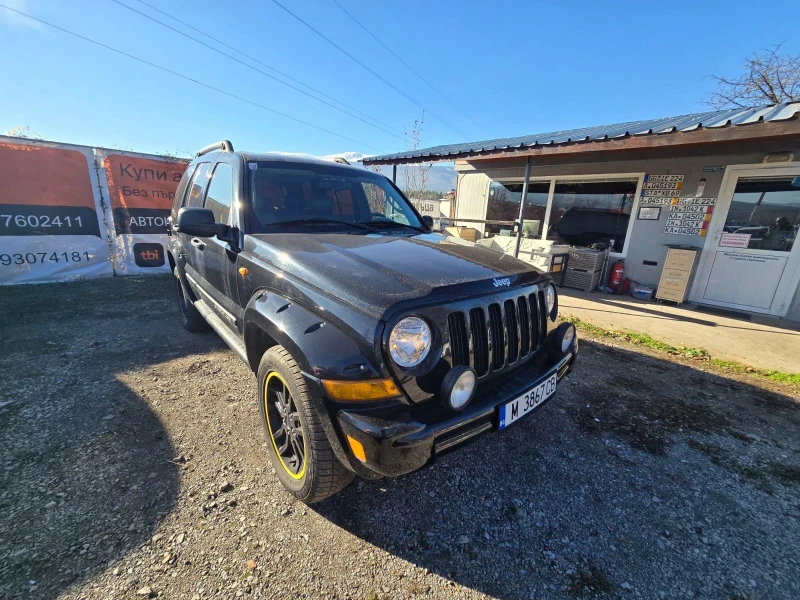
x,y
639,177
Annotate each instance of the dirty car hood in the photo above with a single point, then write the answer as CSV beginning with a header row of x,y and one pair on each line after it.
x,y
378,271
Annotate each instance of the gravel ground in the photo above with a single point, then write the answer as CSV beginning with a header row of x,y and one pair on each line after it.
x,y
133,465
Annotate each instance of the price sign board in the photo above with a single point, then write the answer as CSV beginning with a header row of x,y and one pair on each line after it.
x,y
140,192
50,210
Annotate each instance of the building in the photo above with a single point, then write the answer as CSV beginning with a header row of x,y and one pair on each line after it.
x,y
723,183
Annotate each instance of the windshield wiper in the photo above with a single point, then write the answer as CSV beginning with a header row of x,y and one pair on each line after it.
x,y
322,220
384,222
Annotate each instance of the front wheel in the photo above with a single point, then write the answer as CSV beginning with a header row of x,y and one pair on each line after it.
x,y
296,442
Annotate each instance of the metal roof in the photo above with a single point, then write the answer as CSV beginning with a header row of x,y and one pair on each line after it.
x,y
684,123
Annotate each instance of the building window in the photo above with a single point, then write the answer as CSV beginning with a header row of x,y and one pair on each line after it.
x,y
503,205
590,211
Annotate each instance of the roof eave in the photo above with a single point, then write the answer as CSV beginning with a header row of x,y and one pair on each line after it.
x,y
698,135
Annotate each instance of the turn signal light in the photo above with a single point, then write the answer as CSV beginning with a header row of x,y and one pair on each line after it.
x,y
360,391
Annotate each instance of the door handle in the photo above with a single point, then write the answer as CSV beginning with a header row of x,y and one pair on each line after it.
x,y
198,243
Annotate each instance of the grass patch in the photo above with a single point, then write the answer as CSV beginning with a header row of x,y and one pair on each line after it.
x,y
643,339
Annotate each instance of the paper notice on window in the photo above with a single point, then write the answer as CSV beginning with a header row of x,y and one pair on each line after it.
x,y
734,240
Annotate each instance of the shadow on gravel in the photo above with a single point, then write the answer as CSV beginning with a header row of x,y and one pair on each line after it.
x,y
643,475
86,468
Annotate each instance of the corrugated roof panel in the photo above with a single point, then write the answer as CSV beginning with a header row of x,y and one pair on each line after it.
x,y
684,123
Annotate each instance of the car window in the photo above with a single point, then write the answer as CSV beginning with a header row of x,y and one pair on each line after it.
x,y
183,186
385,202
194,197
285,193
220,193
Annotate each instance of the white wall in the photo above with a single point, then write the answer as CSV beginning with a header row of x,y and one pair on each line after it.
x,y
472,197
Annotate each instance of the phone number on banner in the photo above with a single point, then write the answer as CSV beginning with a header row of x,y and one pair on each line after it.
x,y
34,258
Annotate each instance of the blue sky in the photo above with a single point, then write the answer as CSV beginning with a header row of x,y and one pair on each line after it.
x,y
515,67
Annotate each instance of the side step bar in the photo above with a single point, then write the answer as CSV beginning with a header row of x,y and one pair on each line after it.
x,y
222,330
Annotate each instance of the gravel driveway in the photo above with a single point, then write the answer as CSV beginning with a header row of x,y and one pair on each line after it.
x,y
133,465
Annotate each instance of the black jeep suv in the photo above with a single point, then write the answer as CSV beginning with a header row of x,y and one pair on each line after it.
x,y
377,344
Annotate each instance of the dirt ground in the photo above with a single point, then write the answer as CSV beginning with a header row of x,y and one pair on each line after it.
x,y
133,465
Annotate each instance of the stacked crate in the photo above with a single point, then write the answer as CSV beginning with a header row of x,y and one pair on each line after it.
x,y
584,268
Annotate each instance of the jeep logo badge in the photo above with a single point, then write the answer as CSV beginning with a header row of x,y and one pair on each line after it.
x,y
501,282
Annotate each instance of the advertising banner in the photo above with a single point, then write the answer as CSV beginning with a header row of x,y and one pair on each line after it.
x,y
140,192
51,226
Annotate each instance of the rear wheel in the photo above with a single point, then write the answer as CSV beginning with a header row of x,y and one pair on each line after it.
x,y
190,316
296,442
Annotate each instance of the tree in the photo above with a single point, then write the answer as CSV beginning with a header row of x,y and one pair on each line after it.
x,y
23,131
768,78
415,175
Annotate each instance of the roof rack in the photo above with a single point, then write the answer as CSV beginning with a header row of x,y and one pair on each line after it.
x,y
224,145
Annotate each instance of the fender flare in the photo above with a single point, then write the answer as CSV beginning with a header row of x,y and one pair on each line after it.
x,y
319,348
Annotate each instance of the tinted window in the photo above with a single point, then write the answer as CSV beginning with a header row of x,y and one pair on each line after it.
x,y
220,192
288,194
180,192
194,197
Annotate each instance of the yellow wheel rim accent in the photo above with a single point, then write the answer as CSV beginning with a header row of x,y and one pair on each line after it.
x,y
302,471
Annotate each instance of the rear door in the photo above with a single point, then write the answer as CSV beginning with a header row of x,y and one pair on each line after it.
x,y
217,257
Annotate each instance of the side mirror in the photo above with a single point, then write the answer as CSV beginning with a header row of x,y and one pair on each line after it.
x,y
199,222
428,221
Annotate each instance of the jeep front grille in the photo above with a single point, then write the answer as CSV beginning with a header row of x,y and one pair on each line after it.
x,y
491,337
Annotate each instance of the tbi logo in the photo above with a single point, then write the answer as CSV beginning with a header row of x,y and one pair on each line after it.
x,y
148,255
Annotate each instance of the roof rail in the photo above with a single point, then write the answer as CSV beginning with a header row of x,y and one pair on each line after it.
x,y
224,145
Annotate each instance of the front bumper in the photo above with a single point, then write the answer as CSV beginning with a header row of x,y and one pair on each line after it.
x,y
398,445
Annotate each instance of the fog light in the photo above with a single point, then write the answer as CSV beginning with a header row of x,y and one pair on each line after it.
x,y
565,337
458,387
566,341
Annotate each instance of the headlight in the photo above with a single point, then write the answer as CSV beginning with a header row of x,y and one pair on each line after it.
x,y
410,342
550,298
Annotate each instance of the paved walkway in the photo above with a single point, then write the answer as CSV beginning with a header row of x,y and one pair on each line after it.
x,y
763,342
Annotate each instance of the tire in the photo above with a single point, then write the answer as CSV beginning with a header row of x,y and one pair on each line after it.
x,y
192,319
319,473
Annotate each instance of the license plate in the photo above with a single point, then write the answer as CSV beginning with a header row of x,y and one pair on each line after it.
x,y
522,405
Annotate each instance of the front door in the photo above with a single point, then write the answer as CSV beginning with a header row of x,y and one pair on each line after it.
x,y
751,259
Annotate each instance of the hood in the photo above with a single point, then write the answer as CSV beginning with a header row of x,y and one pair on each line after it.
x,y
375,272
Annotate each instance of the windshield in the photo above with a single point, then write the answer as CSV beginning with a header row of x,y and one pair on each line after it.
x,y
327,197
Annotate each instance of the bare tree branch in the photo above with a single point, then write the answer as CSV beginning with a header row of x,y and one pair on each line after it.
x,y
771,77
416,175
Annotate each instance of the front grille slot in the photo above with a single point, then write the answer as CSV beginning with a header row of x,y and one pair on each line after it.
x,y
512,330
480,340
536,322
497,336
542,317
488,338
459,345
524,327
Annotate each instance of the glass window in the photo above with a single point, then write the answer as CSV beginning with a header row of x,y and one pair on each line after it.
x,y
503,205
220,193
287,195
591,211
194,197
768,210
